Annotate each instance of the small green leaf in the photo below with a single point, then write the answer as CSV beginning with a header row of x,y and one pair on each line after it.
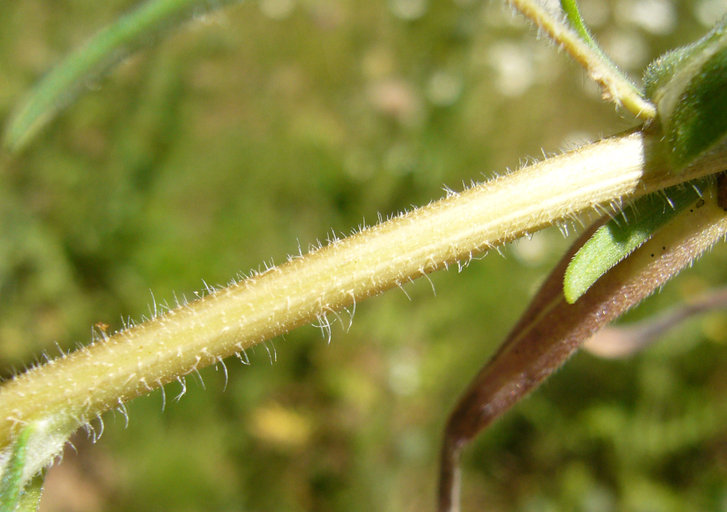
x,y
11,484
689,87
620,237
30,498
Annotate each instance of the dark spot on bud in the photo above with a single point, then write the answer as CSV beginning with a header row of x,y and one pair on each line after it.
x,y
722,191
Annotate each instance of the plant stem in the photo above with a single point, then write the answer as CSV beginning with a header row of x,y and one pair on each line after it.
x,y
615,86
70,391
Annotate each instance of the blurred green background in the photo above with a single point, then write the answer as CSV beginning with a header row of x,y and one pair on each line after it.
x,y
265,126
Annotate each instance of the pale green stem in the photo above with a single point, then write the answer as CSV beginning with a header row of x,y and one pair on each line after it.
x,y
61,395
615,87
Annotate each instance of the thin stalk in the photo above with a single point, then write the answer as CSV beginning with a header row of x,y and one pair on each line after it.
x,y
570,7
614,85
64,394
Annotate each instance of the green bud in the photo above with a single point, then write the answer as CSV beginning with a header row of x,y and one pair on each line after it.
x,y
689,87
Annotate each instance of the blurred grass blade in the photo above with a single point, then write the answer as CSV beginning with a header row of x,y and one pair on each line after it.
x,y
626,340
11,484
62,84
621,236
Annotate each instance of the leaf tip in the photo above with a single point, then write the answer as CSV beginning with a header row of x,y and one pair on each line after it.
x,y
574,286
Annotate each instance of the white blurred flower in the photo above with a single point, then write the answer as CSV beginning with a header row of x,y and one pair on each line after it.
x,y
395,98
405,372
531,250
595,12
654,16
443,88
514,68
408,9
277,9
628,49
709,11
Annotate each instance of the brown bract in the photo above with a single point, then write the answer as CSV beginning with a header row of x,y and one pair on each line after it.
x,y
551,330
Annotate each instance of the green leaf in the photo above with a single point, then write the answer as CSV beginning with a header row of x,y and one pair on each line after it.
x,y
129,33
30,498
621,236
689,87
11,484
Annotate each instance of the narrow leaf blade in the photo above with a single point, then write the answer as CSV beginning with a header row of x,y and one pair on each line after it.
x,y
614,241
11,484
111,45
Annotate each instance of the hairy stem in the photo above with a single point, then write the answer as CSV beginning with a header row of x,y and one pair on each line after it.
x,y
65,393
615,86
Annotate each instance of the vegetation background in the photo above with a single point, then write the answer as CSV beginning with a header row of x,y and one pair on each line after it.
x,y
270,125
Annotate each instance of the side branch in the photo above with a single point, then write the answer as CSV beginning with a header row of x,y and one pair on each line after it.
x,y
615,86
